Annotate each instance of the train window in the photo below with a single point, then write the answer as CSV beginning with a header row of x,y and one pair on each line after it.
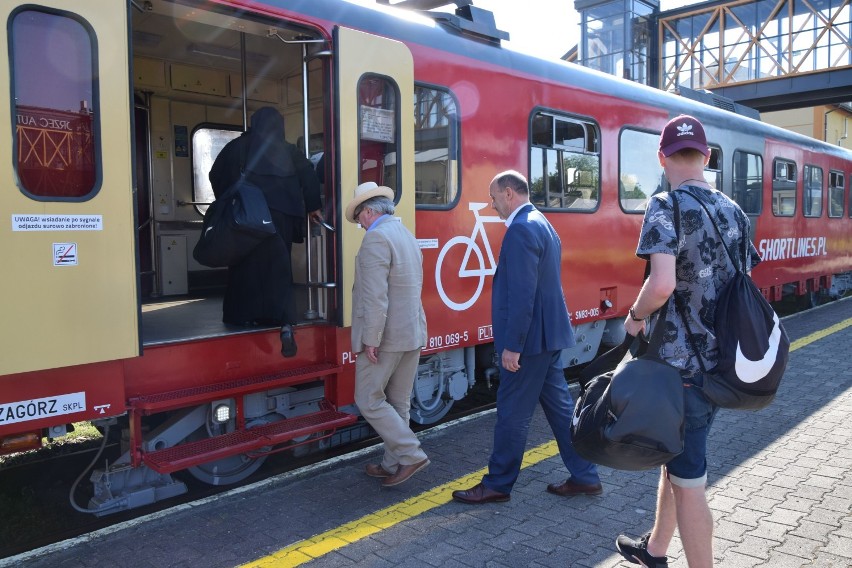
x,y
836,186
713,171
783,188
564,163
436,148
55,105
640,174
812,197
748,181
207,142
379,132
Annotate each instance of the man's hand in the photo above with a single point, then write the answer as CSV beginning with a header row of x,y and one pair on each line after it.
x,y
372,354
315,216
633,327
511,360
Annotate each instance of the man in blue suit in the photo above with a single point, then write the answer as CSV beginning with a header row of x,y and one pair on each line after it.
x,y
531,327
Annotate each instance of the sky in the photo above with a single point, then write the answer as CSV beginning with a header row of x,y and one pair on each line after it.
x,y
546,28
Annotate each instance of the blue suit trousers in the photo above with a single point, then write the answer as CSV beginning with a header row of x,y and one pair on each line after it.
x,y
540,379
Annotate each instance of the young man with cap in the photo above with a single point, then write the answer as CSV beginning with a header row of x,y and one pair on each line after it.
x,y
388,329
689,267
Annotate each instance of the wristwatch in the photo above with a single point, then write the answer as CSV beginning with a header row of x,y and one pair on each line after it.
x,y
633,315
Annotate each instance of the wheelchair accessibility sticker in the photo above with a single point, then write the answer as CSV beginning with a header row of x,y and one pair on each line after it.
x,y
64,254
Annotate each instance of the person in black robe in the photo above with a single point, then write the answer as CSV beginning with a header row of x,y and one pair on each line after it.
x,y
260,287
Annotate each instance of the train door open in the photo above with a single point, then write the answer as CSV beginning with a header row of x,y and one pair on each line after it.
x,y
67,237
199,75
375,142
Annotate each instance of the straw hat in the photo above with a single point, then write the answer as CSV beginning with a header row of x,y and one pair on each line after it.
x,y
364,192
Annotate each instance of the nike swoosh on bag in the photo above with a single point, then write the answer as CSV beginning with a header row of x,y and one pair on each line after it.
x,y
207,230
576,419
267,222
749,371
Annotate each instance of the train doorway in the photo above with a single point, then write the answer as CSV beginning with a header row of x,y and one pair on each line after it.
x,y
198,76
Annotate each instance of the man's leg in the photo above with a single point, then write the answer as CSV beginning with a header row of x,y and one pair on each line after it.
x,y
517,396
558,408
682,500
370,383
665,521
695,523
398,392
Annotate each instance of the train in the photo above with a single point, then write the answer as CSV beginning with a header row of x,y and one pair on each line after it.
x,y
115,110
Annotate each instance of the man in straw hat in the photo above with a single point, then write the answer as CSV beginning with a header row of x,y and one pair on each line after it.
x,y
388,329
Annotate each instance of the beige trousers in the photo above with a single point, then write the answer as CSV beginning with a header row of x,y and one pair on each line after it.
x,y
383,395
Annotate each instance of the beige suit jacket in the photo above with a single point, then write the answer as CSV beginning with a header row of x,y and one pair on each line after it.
x,y
386,309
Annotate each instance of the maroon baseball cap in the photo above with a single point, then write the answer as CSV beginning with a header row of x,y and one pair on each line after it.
x,y
681,132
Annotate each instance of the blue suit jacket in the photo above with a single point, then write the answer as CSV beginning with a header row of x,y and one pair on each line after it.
x,y
528,310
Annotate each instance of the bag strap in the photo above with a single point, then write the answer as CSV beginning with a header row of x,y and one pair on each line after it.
x,y
244,152
681,309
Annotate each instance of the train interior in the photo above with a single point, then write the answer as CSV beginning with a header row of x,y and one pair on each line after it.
x,y
198,76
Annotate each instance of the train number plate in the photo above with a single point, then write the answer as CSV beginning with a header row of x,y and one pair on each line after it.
x,y
34,409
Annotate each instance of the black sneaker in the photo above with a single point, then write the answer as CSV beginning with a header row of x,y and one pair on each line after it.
x,y
288,341
636,551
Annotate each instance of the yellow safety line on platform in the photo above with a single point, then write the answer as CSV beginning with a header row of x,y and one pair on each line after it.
x,y
309,549
817,335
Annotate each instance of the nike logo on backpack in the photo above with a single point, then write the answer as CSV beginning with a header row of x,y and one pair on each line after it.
x,y
749,371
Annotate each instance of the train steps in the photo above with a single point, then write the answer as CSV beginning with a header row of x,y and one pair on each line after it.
x,y
241,441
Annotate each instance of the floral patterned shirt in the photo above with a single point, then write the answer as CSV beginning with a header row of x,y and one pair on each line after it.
x,y
703,268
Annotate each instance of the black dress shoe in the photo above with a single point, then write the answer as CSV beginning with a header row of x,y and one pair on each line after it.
x,y
570,488
288,341
479,494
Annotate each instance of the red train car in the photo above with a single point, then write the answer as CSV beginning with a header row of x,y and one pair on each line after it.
x,y
114,112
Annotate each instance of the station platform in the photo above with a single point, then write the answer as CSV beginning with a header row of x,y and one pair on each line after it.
x,y
780,489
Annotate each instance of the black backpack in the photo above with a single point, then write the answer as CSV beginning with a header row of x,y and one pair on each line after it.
x,y
753,345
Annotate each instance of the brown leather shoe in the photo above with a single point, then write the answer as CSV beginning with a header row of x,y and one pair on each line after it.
x,y
377,470
404,472
570,488
479,494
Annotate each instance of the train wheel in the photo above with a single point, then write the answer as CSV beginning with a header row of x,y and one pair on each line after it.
x,y
431,414
225,471
429,402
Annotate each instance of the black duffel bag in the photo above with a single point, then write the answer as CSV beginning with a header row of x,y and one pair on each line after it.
x,y
631,418
234,224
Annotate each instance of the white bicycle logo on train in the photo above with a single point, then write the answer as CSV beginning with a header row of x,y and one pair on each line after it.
x,y
465,270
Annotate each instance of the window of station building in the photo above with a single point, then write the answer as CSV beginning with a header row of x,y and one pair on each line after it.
x,y
812,197
378,128
836,188
640,174
207,142
748,182
436,148
783,188
564,163
55,102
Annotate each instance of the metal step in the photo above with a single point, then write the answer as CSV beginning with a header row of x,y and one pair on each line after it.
x,y
242,441
160,402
